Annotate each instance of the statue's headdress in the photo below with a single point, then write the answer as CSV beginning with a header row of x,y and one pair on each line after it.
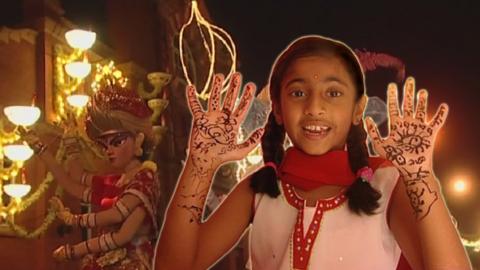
x,y
115,108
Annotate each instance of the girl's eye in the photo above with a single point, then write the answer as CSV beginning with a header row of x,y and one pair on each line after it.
x,y
334,93
297,93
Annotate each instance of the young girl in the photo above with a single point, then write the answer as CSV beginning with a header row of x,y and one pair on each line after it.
x,y
323,203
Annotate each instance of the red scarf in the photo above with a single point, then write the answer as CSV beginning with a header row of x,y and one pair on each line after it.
x,y
308,172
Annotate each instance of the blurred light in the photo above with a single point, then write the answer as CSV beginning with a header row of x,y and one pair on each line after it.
x,y
17,191
78,101
460,186
22,115
80,39
254,159
17,152
78,69
211,36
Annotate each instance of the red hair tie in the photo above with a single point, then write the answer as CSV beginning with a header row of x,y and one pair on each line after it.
x,y
366,173
271,164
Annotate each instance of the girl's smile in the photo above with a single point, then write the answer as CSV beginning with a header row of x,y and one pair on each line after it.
x,y
316,130
318,103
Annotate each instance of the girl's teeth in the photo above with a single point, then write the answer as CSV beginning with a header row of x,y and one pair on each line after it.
x,y
316,128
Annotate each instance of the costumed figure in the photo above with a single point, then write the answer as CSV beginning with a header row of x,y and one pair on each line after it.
x,y
125,200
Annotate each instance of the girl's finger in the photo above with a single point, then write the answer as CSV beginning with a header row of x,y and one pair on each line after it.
x,y
408,97
440,117
373,131
247,98
422,101
232,92
248,145
194,104
214,99
392,99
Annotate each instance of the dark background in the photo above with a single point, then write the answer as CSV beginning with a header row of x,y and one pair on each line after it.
x,y
438,42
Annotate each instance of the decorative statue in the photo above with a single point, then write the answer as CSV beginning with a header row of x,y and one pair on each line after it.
x,y
124,201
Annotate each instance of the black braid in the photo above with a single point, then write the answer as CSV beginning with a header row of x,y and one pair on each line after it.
x,y
362,197
265,179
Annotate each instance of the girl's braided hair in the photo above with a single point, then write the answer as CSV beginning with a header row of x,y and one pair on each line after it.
x,y
362,197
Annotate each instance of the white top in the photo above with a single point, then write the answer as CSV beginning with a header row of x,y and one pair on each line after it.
x,y
345,240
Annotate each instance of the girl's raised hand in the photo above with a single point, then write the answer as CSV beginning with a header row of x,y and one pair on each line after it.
x,y
409,144
215,131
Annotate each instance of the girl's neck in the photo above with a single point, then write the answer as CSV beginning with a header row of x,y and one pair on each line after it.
x,y
321,193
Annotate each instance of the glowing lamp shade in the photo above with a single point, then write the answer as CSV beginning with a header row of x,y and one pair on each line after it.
x,y
80,39
78,101
22,115
17,152
78,69
17,190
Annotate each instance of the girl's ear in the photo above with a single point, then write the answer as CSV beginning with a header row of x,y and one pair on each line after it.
x,y
277,113
359,109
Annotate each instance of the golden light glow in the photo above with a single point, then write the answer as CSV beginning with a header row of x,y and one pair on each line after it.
x,y
475,245
255,156
251,162
460,186
78,101
17,152
78,69
64,84
75,64
109,75
17,191
80,39
213,34
254,159
7,137
22,115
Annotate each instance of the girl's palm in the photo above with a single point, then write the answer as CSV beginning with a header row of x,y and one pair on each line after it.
x,y
215,131
409,144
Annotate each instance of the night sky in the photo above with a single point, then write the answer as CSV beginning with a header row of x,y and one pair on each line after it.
x,y
438,42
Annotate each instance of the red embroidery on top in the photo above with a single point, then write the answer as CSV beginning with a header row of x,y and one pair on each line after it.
x,y
303,242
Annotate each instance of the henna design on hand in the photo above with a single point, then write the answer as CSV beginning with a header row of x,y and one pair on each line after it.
x,y
410,143
411,137
418,191
417,161
213,138
194,195
394,154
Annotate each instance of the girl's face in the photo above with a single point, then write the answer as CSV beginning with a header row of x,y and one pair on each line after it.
x,y
119,147
318,104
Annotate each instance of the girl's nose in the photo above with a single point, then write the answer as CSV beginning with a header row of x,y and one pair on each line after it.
x,y
315,106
